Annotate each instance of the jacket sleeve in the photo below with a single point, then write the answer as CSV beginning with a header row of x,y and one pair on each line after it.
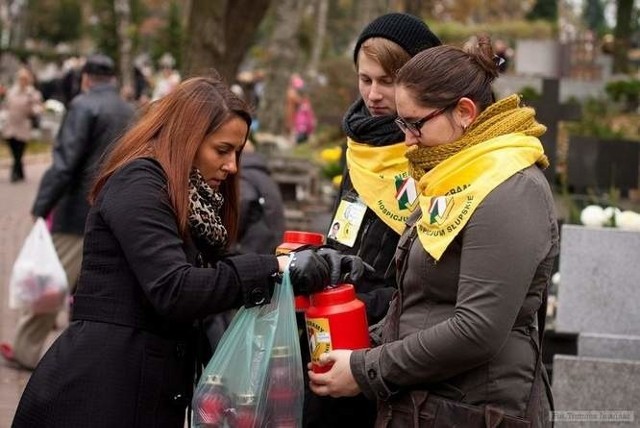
x,y
504,242
70,152
135,206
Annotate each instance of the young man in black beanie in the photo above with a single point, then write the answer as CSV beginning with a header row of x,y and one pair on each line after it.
x,y
376,195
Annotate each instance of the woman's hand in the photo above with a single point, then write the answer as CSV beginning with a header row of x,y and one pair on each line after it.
x,y
337,382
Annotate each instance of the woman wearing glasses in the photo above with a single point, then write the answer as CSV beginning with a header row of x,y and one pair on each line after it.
x,y
460,344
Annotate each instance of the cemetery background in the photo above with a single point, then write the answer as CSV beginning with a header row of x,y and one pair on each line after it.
x,y
561,65
592,344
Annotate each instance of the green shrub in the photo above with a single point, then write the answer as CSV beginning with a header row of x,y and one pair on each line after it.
x,y
625,91
529,94
595,121
459,32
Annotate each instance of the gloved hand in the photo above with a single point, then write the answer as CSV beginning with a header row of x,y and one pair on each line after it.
x,y
344,268
308,271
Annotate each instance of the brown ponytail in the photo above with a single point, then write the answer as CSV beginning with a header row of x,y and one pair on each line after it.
x,y
440,76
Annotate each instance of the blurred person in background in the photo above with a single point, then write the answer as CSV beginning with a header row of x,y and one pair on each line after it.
x,y
94,120
305,117
23,106
71,81
167,78
292,102
261,221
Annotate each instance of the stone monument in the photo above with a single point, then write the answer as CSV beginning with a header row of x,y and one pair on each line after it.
x,y
598,299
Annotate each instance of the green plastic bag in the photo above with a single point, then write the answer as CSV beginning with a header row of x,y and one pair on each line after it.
x,y
255,378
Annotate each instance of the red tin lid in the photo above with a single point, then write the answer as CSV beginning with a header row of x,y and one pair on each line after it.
x,y
342,293
299,237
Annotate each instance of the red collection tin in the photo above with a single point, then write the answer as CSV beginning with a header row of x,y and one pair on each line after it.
x,y
335,319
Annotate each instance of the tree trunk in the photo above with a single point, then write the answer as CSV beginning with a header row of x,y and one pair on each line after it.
x,y
123,23
282,54
622,35
319,39
6,25
219,32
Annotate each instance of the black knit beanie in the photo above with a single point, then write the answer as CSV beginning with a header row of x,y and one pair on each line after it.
x,y
412,34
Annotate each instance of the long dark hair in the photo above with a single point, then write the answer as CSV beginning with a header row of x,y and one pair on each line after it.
x,y
171,131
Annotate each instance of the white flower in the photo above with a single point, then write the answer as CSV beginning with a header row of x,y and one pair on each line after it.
x,y
593,215
628,220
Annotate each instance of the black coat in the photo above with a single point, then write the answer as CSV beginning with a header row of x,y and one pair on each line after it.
x,y
93,122
375,244
127,358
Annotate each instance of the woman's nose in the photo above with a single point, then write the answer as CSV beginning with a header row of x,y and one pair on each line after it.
x,y
410,139
231,166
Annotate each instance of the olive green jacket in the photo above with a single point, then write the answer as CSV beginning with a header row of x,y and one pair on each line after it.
x,y
465,328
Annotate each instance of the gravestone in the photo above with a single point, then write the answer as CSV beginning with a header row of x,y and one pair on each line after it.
x,y
599,281
597,298
597,164
298,180
549,112
537,58
596,392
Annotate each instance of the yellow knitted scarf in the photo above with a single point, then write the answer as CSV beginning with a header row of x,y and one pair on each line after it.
x,y
503,117
452,188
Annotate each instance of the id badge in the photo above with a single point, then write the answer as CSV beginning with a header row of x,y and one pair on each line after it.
x,y
346,224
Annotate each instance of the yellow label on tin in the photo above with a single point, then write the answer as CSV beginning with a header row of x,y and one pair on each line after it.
x,y
319,337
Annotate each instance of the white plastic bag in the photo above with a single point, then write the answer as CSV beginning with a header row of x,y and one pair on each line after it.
x,y
38,281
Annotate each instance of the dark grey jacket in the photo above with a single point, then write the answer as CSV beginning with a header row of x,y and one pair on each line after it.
x,y
464,328
93,122
261,225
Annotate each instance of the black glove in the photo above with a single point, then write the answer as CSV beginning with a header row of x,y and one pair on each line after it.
x,y
309,272
344,268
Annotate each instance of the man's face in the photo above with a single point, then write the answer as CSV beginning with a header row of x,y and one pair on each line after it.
x,y
376,86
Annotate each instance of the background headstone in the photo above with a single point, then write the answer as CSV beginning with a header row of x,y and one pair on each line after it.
x,y
597,388
598,164
599,281
598,297
537,58
609,346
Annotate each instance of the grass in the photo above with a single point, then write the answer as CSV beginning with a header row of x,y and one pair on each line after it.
x,y
34,147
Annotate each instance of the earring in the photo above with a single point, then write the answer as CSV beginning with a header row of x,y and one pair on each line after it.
x,y
464,128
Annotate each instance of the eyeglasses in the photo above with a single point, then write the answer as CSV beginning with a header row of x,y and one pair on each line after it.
x,y
415,128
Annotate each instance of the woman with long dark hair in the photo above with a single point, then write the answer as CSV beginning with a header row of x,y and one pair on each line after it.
x,y
164,211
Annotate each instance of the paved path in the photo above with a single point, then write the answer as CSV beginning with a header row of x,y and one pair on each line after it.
x,y
15,223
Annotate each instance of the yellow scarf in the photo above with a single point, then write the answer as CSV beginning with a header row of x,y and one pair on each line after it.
x,y
501,142
381,178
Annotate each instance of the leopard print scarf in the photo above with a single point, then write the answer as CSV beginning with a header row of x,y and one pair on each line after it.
x,y
204,214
